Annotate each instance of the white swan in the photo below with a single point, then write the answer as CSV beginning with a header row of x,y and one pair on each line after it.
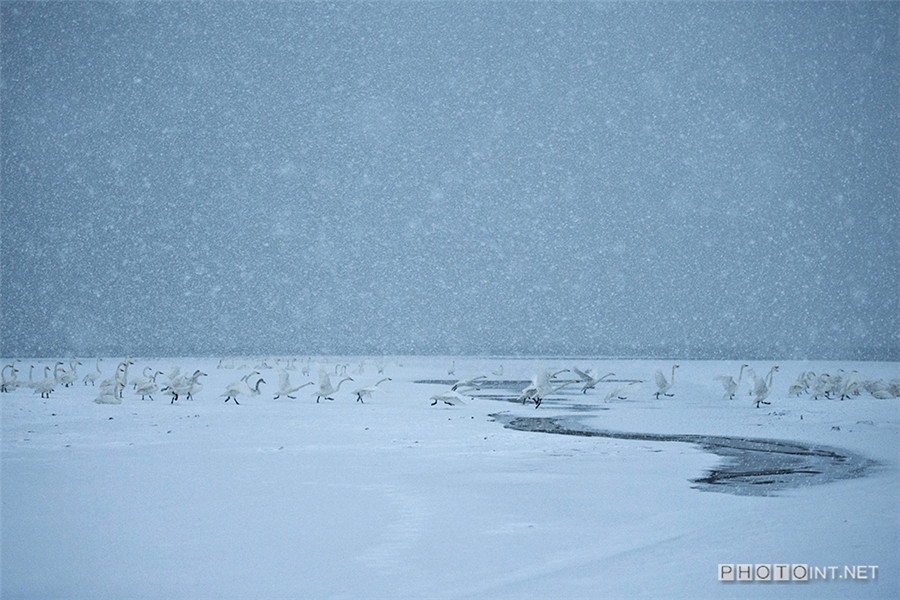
x,y
149,387
450,398
763,387
94,375
109,394
730,384
184,386
326,389
498,371
468,382
285,388
72,375
47,385
662,385
540,378
621,392
545,388
8,382
242,388
368,390
590,382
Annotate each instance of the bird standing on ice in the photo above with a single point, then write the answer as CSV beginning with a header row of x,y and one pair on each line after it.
x,y
762,387
662,385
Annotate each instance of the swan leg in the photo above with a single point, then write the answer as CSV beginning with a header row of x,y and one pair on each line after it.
x,y
359,398
537,402
292,397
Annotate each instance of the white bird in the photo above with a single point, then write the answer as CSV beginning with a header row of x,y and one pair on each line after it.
x,y
8,382
368,390
72,375
802,383
110,388
146,374
148,387
242,388
184,386
762,387
326,389
590,381
468,382
662,385
537,380
621,391
545,388
93,376
109,394
46,386
498,371
285,388
450,398
730,384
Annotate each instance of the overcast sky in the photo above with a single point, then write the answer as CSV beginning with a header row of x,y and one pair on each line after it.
x,y
715,180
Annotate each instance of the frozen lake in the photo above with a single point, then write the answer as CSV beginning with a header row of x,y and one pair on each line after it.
x,y
395,497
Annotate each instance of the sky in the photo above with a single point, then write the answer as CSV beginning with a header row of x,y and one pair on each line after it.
x,y
697,180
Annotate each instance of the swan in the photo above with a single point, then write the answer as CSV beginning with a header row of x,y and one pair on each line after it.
x,y
468,382
94,375
545,388
112,386
537,380
663,385
368,390
149,387
498,371
8,382
285,388
762,387
110,394
802,384
46,386
239,388
30,382
450,398
58,372
590,382
71,376
184,386
730,384
621,391
146,374
326,389
122,373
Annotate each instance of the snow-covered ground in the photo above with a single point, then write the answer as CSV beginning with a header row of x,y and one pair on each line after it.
x,y
290,498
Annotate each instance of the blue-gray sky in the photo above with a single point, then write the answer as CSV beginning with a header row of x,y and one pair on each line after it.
x,y
705,179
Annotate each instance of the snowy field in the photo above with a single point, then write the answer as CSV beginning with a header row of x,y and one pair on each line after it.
x,y
394,497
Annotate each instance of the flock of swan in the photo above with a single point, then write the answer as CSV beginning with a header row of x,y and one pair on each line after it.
x,y
182,385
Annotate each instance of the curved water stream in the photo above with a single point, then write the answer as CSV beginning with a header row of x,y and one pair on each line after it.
x,y
751,466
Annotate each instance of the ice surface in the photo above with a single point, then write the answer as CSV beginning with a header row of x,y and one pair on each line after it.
x,y
396,498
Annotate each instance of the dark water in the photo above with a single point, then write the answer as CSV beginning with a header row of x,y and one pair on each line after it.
x,y
751,466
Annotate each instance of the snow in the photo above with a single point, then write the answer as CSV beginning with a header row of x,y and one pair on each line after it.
x,y
398,498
